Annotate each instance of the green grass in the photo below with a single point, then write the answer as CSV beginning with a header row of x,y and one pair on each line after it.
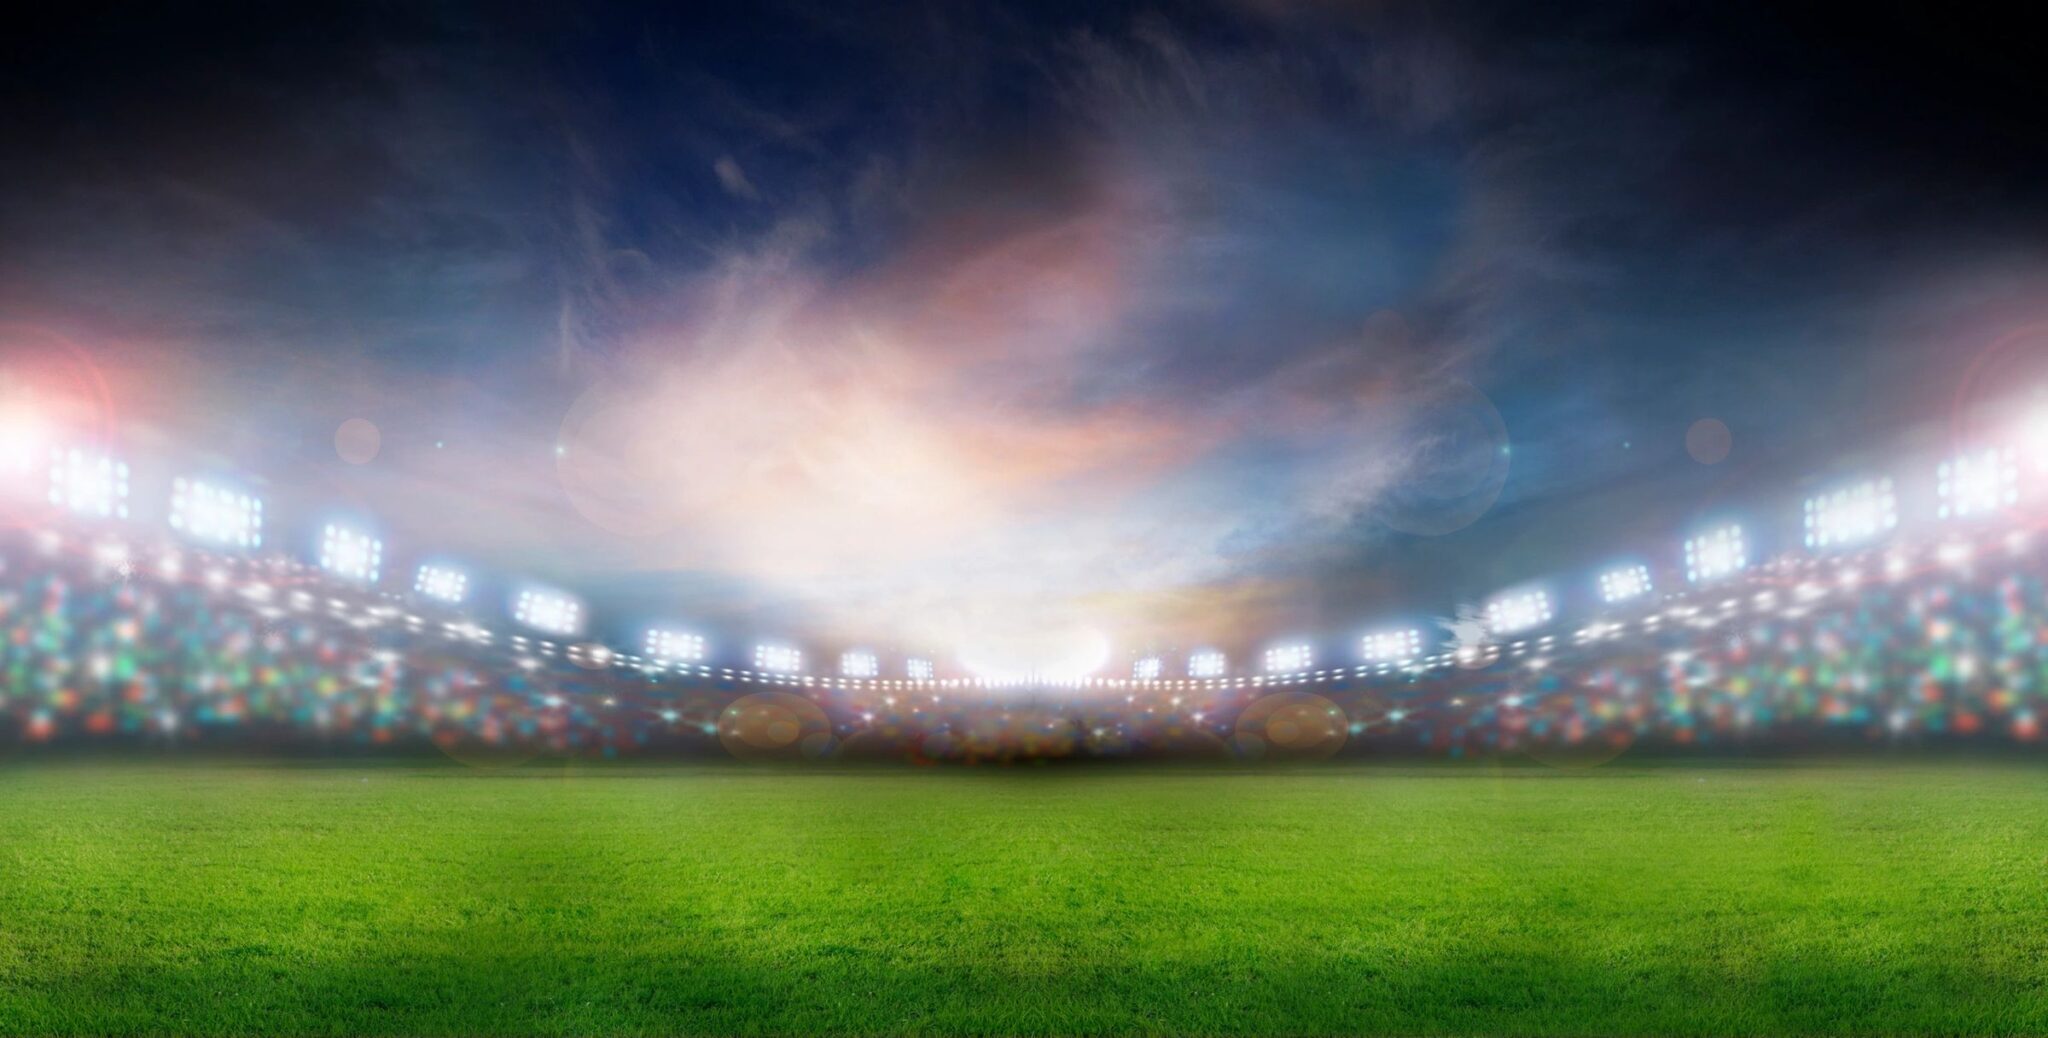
x,y
381,898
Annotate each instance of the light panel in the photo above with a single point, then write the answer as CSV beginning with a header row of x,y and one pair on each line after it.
x,y
350,554
1979,483
1148,669
89,483
859,665
918,670
1281,659
778,659
441,583
1391,646
1624,583
1207,663
1851,515
216,515
1715,554
674,646
1521,611
552,611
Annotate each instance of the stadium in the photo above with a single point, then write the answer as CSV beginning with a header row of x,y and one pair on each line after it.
x,y
1211,519
1904,609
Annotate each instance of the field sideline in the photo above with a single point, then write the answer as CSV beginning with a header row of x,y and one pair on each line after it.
x,y
216,897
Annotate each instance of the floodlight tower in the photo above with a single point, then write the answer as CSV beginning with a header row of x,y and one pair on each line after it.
x,y
1625,583
1518,611
1978,483
1852,515
553,612
1289,658
88,483
1207,663
216,515
777,658
1391,646
442,583
350,554
673,646
1716,553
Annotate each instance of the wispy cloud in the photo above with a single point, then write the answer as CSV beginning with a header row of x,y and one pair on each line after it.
x,y
1143,321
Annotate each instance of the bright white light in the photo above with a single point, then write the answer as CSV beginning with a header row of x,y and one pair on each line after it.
x,y
1281,659
1207,664
1716,554
1520,611
89,484
1625,582
918,670
1391,646
1148,669
859,665
550,611
216,515
22,442
2034,438
1853,514
1033,655
442,583
1978,483
778,659
674,646
350,554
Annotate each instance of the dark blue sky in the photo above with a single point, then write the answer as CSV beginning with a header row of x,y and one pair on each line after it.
x,y
1198,322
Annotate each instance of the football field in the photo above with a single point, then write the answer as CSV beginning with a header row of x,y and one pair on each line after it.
x,y
428,897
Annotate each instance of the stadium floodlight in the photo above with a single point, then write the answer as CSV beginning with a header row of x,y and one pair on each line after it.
x,y
350,554
1623,583
1978,483
554,612
1148,669
441,583
1852,514
89,483
1282,659
778,659
1518,611
1715,554
918,670
216,515
672,646
1391,646
859,665
1207,663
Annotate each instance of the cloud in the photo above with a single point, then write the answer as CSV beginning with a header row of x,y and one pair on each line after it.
x,y
734,179
1019,402
1155,323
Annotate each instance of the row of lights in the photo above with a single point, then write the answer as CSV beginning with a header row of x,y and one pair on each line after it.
x,y
1969,485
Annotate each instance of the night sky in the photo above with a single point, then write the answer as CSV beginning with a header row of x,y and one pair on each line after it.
x,y
1191,324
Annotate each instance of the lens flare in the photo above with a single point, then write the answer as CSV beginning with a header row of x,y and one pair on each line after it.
x,y
769,726
1291,726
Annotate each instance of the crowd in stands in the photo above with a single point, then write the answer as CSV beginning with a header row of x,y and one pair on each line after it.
x,y
110,642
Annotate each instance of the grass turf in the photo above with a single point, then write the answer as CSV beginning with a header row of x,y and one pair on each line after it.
x,y
382,898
